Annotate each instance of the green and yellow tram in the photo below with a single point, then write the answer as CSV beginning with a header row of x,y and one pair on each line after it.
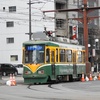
x,y
46,61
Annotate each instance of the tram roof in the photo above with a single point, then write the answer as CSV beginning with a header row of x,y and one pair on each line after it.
x,y
49,43
53,43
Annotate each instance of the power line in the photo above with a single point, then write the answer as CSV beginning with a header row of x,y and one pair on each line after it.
x,y
22,21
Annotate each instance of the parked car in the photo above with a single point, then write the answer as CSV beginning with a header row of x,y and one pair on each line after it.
x,y
19,68
7,69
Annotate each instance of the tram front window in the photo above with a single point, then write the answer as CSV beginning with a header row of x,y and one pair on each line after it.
x,y
34,54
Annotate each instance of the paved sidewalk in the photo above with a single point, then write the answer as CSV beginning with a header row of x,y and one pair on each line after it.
x,y
2,82
19,80
95,74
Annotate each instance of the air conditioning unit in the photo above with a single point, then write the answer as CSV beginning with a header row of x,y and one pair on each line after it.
x,y
66,40
62,39
74,41
59,39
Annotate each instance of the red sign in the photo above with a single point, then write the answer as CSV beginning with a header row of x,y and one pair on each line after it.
x,y
74,29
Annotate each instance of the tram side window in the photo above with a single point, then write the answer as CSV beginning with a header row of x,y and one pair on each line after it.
x,y
69,55
62,55
47,55
79,56
52,56
74,56
23,58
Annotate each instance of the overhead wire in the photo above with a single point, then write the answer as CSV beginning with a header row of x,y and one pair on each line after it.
x,y
35,14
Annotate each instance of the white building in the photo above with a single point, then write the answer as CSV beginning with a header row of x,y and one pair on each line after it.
x,y
14,23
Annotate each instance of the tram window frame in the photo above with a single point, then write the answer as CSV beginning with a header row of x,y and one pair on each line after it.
x,y
23,57
83,56
52,52
74,56
62,55
66,55
57,55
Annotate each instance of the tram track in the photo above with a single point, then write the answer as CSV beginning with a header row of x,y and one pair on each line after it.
x,y
48,87
57,91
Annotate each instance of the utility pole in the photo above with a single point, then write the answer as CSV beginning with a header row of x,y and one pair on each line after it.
x,y
30,30
84,10
30,26
30,34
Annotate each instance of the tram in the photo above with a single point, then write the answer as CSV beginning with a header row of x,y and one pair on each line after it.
x,y
47,61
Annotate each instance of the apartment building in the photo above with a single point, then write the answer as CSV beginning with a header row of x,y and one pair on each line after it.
x,y
14,23
63,26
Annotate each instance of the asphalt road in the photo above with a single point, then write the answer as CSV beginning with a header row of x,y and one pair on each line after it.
x,y
63,91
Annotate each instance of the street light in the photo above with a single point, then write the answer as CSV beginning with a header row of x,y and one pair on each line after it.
x,y
89,45
96,40
93,57
91,49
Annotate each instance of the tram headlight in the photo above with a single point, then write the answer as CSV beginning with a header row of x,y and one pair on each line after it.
x,y
41,72
28,72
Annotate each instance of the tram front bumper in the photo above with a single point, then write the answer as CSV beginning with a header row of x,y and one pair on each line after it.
x,y
31,79
34,76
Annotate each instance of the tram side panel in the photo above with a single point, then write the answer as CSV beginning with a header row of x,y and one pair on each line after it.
x,y
81,69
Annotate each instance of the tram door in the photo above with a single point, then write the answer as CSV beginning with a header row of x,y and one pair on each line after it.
x,y
52,58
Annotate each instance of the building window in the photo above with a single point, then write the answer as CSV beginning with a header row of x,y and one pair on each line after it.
x,y
60,6
10,24
60,23
70,30
10,40
80,2
73,15
14,57
80,29
12,9
3,8
95,21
